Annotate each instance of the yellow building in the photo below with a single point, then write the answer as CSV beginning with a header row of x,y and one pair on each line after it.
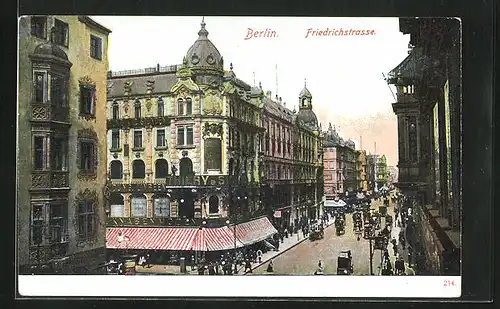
x,y
361,170
61,152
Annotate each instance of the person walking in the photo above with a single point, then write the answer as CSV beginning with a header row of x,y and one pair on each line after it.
x,y
248,266
270,267
259,256
402,239
410,254
394,246
320,269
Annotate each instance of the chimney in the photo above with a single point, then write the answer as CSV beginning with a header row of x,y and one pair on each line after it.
x,y
268,93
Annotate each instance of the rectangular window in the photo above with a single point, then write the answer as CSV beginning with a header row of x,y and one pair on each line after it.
x,y
39,155
86,156
95,47
86,219
180,135
57,223
59,152
213,150
138,139
40,85
57,90
162,207
189,136
139,207
115,139
160,138
185,136
61,36
87,99
37,225
39,26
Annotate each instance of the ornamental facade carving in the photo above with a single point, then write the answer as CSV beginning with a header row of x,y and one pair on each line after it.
x,y
212,104
212,129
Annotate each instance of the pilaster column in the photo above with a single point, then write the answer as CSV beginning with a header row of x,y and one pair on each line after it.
x,y
149,205
174,207
149,155
126,158
197,208
127,203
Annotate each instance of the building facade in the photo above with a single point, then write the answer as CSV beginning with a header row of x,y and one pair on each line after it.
x,y
192,145
382,172
361,166
293,159
341,163
428,108
61,153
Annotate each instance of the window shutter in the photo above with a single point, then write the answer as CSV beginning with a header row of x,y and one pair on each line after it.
x,y
94,99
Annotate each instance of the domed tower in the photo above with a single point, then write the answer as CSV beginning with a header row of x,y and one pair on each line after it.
x,y
204,60
306,114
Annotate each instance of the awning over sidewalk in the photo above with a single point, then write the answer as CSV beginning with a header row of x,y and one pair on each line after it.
x,y
179,239
191,239
221,238
254,231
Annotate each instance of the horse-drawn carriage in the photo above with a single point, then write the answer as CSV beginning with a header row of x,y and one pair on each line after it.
x,y
316,232
344,263
357,221
340,225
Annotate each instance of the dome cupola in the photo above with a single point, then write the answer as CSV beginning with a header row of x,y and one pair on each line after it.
x,y
203,55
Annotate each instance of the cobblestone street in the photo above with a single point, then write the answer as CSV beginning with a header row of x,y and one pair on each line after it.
x,y
303,258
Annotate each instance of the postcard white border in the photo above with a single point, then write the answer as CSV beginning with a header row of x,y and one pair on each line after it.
x,y
241,286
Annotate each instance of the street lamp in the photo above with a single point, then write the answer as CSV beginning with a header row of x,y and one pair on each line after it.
x,y
368,234
234,233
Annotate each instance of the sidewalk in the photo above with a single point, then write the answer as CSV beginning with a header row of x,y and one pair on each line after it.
x,y
287,244
402,252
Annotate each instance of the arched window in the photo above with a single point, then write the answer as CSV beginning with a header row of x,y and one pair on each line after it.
x,y
138,169
213,205
161,168
161,205
139,206
116,111
185,169
117,205
180,107
137,108
161,107
116,169
189,106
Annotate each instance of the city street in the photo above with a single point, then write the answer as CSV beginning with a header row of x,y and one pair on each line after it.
x,y
303,258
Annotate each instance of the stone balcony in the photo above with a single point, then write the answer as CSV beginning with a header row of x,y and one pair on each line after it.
x,y
49,180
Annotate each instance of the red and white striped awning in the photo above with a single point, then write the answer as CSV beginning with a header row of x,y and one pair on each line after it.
x,y
181,239
222,238
254,231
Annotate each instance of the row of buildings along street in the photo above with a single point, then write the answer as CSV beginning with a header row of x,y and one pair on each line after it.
x,y
186,163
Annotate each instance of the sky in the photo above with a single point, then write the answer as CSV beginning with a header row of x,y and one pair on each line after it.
x,y
343,73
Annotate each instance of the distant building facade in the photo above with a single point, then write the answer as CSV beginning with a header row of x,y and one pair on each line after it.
x,y
361,168
61,159
341,174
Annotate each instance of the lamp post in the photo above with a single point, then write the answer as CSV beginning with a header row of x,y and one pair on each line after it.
x,y
234,234
368,231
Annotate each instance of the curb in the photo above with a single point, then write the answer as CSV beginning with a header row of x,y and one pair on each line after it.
x,y
280,253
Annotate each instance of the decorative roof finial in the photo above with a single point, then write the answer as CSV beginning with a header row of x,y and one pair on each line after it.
x,y
231,66
260,85
305,82
203,32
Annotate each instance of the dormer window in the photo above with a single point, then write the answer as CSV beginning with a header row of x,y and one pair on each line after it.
x,y
161,108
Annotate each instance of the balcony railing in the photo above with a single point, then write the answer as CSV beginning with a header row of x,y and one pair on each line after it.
x,y
48,112
49,179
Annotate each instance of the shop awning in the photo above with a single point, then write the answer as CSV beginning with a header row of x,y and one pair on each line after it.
x,y
334,203
217,239
254,231
178,239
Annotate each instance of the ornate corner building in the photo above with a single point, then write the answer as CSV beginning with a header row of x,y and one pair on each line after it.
x,y
61,150
192,145
428,109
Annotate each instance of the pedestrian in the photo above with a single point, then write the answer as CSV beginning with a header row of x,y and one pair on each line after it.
x,y
248,266
320,270
386,255
394,246
224,267
211,269
259,255
270,267
410,254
